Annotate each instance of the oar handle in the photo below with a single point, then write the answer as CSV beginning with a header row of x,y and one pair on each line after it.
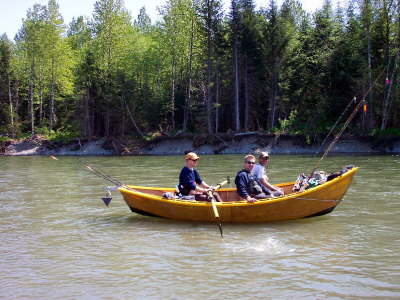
x,y
213,203
215,210
214,206
219,185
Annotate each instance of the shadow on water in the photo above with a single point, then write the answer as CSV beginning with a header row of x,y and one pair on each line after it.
x,y
134,219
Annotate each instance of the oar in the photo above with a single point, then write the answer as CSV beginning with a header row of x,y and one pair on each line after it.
x,y
214,205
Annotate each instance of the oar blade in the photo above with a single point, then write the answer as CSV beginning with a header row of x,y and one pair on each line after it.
x,y
220,228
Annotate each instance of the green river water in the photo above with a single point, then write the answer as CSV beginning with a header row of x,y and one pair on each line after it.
x,y
59,241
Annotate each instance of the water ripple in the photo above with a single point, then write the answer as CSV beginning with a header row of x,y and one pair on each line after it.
x,y
59,241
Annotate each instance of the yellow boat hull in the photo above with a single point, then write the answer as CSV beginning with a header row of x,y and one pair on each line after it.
x,y
315,201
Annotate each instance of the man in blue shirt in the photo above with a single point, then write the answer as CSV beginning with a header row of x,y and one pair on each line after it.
x,y
247,186
190,182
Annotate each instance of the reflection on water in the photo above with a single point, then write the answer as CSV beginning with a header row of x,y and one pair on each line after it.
x,y
58,240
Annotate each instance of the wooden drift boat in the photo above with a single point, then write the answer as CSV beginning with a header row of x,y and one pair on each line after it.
x,y
315,201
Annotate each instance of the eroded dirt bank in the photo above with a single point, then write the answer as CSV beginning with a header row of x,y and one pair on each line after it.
x,y
202,144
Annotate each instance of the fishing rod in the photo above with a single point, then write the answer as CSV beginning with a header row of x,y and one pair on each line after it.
x,y
337,136
349,119
102,174
334,125
98,173
107,199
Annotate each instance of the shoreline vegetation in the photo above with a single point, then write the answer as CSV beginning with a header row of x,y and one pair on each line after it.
x,y
234,78
240,143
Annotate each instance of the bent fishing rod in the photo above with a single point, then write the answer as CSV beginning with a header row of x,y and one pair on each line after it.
x,y
98,173
349,119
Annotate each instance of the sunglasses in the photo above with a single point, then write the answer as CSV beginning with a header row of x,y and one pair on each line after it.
x,y
193,159
250,162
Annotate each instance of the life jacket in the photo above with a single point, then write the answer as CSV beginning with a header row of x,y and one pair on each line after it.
x,y
254,187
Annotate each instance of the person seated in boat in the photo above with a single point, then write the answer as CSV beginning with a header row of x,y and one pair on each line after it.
x,y
190,182
260,173
247,186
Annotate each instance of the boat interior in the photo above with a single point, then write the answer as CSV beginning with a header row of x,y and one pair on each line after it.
x,y
226,194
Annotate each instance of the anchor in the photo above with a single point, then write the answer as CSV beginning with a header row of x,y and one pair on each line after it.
x,y
107,199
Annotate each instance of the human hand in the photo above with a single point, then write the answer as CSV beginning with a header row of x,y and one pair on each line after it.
x,y
251,200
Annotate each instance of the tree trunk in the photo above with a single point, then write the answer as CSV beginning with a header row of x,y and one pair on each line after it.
x,y
123,121
40,87
107,121
369,116
387,99
173,69
189,89
52,96
209,68
173,96
31,96
87,124
246,95
236,87
11,107
217,91
16,106
272,105
133,120
40,104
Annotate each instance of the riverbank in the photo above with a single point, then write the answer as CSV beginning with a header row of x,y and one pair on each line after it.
x,y
240,143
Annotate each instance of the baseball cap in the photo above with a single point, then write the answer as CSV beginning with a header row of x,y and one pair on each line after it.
x,y
191,156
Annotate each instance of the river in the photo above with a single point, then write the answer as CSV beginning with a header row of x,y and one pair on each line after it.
x,y
59,240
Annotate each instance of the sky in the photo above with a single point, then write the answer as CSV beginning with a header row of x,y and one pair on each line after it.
x,y
13,11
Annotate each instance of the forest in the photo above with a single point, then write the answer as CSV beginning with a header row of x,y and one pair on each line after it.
x,y
201,69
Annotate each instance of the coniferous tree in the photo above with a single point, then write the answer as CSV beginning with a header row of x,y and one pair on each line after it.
x,y
210,14
250,50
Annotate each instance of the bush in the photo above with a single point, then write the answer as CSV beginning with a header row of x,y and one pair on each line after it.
x,y
386,133
59,135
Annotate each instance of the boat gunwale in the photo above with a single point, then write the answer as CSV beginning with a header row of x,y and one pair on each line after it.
x,y
131,189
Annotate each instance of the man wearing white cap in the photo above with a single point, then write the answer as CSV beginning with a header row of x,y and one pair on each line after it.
x,y
259,172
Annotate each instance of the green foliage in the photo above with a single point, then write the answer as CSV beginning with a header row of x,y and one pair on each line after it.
x,y
287,126
108,75
385,138
3,138
59,135
386,133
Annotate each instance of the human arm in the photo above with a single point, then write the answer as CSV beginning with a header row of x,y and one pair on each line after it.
x,y
201,186
260,174
270,186
205,185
